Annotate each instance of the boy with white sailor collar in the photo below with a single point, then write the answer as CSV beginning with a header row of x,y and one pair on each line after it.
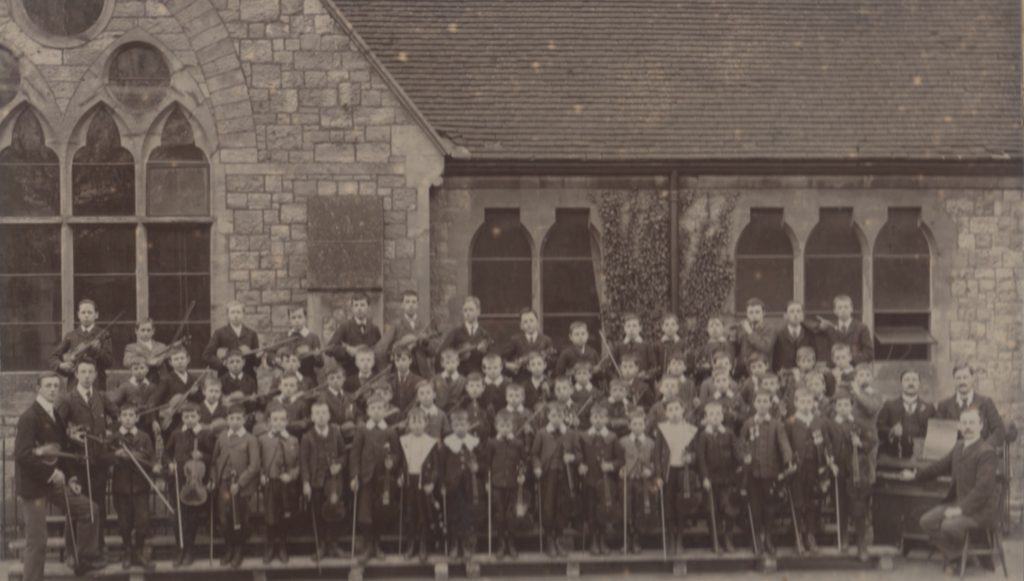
x,y
554,451
674,454
422,469
460,473
436,419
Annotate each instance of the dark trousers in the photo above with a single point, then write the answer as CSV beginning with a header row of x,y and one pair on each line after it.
x,y
947,533
86,532
98,474
329,529
233,516
281,504
853,506
132,517
192,517
725,507
555,500
762,504
418,510
683,497
503,506
373,512
806,500
463,509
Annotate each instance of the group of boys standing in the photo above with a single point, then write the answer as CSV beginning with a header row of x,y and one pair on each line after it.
x,y
644,439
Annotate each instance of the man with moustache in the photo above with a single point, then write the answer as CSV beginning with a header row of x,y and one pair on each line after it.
x,y
904,419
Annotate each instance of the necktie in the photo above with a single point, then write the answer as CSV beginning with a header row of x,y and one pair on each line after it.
x,y
910,408
88,394
362,328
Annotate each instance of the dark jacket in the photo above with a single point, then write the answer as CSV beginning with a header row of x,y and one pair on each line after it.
x,y
32,472
595,449
225,337
519,347
239,455
353,334
719,456
421,354
127,480
992,429
914,426
505,457
768,446
761,339
857,336
317,454
404,390
459,338
572,355
549,447
369,449
102,356
785,347
246,384
853,461
646,359
974,489
72,409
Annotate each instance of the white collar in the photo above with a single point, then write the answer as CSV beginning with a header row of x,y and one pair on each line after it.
x,y
910,400
552,429
537,381
360,323
455,443
213,407
381,424
125,432
325,432
454,375
490,381
89,330
588,388
968,443
82,393
709,429
283,399
335,393
430,411
236,377
471,327
283,433
194,429
182,376
364,377
603,432
806,420
758,418
411,320
670,338
238,329
634,340
239,432
147,344
641,437
968,400
137,383
516,410
794,330
303,332
47,406
531,337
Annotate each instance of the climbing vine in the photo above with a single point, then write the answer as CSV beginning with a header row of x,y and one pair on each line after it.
x,y
635,252
636,259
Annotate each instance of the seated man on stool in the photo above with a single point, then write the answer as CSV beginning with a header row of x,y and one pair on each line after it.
x,y
973,500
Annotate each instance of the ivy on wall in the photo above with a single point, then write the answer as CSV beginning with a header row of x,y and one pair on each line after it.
x,y
636,259
635,253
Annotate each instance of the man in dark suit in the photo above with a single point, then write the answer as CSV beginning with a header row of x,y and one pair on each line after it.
x,y
847,331
527,341
234,335
904,419
964,397
470,338
792,336
41,480
413,334
95,345
84,412
357,332
973,500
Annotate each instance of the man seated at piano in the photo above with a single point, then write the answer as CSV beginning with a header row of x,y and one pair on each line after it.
x,y
904,419
965,397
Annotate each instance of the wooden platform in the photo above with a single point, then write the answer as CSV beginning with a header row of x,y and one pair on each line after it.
x,y
575,564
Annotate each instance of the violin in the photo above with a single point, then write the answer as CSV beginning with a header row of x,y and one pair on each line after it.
x,y
521,520
389,461
333,508
235,523
474,481
50,453
518,362
72,355
194,493
170,409
468,348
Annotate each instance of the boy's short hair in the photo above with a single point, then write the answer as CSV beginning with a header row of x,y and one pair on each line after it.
x,y
359,296
137,360
422,384
674,401
962,365
678,355
376,398
212,380
667,381
471,299
756,356
792,303
770,376
491,358
627,317
628,357
400,352
286,377
813,375
841,298
713,405
563,380
755,302
716,317
236,409
719,372
863,367
535,355
577,325
459,414
474,376
285,352
504,416
907,372
616,384
514,387
176,350
234,303
87,302
336,370
126,406
417,414
556,407
449,352
410,293
385,388
637,413
527,311
363,350
802,392
234,353
298,309
668,316
581,366
763,393
837,347
720,354
842,394
806,350
190,407
143,321
598,410
275,407
321,402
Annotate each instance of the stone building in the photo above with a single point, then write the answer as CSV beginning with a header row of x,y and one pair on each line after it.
x,y
289,152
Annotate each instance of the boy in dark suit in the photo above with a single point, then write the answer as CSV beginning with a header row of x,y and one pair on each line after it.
x,y
307,345
504,459
847,331
234,335
578,351
670,342
598,466
633,344
965,396
812,444
236,466
469,339
373,465
279,475
640,392
636,451
767,452
137,389
754,336
904,419
719,457
97,347
357,332
321,459
460,481
187,442
295,405
494,382
537,388
344,412
420,453
449,384
234,379
524,344
177,381
554,451
793,335
411,332
973,499
131,490
852,443
403,380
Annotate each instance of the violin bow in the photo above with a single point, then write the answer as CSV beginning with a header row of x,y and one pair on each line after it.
x,y
611,354
71,523
135,461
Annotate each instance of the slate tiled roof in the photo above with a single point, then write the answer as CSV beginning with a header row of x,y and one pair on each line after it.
x,y
707,79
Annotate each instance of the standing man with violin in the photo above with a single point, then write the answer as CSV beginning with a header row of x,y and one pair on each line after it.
x,y
42,478
84,412
307,344
469,339
357,332
409,332
528,340
234,335
86,340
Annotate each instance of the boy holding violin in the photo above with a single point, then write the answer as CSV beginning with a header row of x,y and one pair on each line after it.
x,y
175,386
234,335
236,464
188,450
212,411
152,353
321,459
131,489
86,340
307,343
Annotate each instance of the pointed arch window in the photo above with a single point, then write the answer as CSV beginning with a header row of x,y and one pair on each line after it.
x,y
103,172
177,174
29,171
501,270
833,263
10,76
764,261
